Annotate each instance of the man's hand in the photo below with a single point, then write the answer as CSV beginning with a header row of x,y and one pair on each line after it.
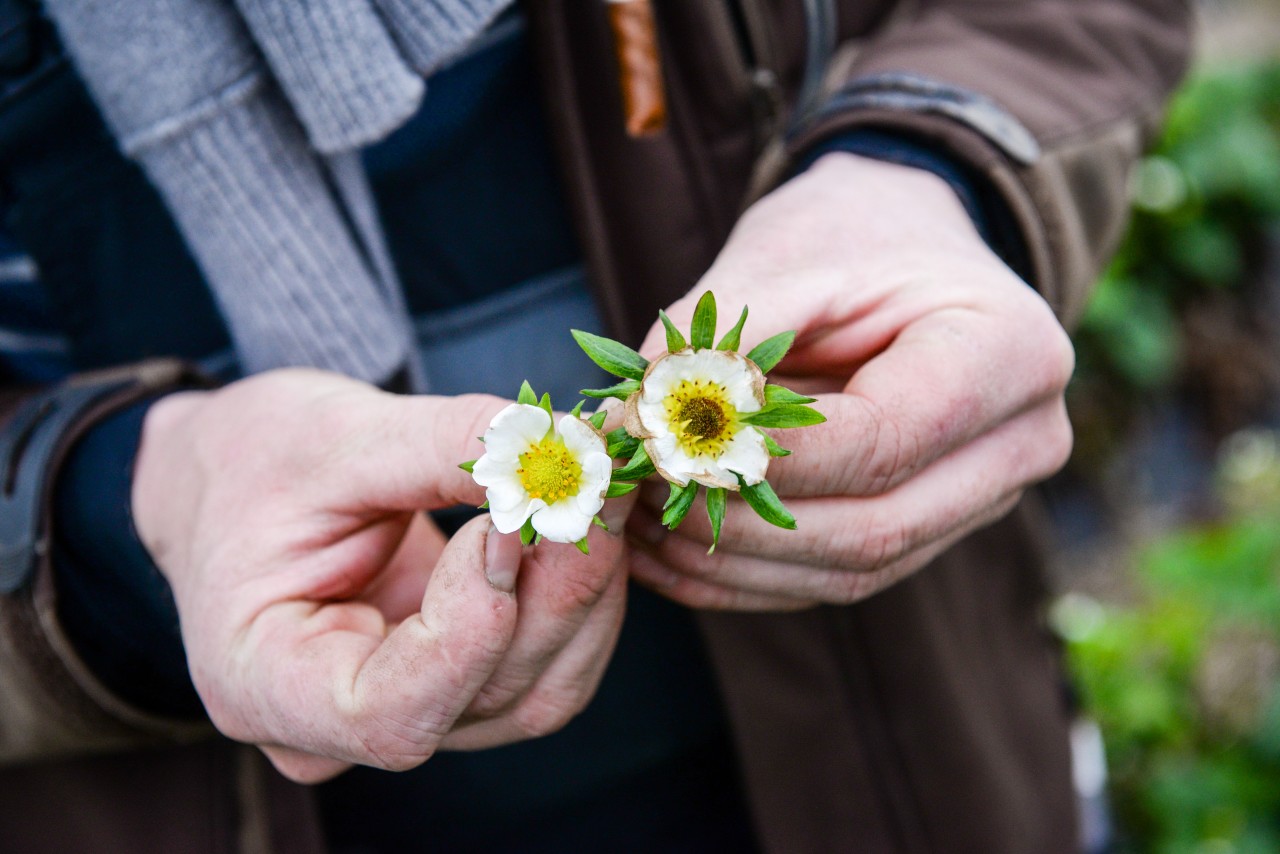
x,y
325,617
941,375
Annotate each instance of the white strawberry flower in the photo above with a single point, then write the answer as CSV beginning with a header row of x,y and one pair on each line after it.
x,y
556,478
689,411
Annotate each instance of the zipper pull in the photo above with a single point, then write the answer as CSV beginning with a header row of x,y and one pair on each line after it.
x,y
635,42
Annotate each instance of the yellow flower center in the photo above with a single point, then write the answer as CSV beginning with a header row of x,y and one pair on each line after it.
x,y
548,471
702,418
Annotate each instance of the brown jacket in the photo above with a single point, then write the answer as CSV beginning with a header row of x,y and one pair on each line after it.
x,y
930,717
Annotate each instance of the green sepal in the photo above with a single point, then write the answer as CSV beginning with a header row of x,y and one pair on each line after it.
x,y
774,449
577,410
621,390
484,506
623,449
638,468
616,358
674,494
717,498
582,546
733,338
617,490
678,506
702,332
621,444
599,523
545,403
527,533
469,466
776,395
597,420
784,416
765,502
769,352
675,341
527,395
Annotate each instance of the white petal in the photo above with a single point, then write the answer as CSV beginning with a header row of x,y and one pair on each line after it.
x,y
506,494
595,480
562,522
514,429
670,460
747,455
653,417
713,474
660,377
580,437
512,520
745,391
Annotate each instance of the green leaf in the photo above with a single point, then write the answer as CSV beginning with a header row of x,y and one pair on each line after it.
x,y
733,338
765,502
621,390
527,533
616,358
582,546
784,416
545,403
617,490
775,450
679,507
702,333
527,395
597,420
675,341
776,394
577,410
716,500
638,468
469,466
768,353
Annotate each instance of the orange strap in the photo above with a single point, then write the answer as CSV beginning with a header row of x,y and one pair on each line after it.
x,y
635,39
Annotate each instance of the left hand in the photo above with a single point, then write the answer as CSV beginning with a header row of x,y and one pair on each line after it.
x,y
940,372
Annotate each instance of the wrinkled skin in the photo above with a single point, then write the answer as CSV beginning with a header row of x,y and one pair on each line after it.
x,y
940,372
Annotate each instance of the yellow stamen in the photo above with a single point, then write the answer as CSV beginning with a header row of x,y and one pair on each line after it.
x,y
548,469
702,418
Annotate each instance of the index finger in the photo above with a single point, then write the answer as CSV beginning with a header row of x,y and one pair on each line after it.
x,y
944,381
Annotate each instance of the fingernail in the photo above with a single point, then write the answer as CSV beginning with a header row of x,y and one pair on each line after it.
x,y
501,559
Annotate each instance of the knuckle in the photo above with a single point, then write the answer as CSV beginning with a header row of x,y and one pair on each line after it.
x,y
889,456
875,545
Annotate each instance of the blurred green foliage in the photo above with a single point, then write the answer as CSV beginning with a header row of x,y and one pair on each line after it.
x,y
1186,688
1203,200
1184,678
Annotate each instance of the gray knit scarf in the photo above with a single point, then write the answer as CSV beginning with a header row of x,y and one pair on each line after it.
x,y
248,117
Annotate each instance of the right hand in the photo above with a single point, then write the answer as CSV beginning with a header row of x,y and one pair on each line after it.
x,y
324,616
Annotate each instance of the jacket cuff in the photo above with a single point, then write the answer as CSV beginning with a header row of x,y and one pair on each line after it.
x,y
987,209
114,605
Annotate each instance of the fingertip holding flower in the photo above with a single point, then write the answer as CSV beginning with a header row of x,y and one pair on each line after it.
x,y
552,477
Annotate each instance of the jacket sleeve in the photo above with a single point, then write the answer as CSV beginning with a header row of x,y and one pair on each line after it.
x,y
1051,101
51,703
